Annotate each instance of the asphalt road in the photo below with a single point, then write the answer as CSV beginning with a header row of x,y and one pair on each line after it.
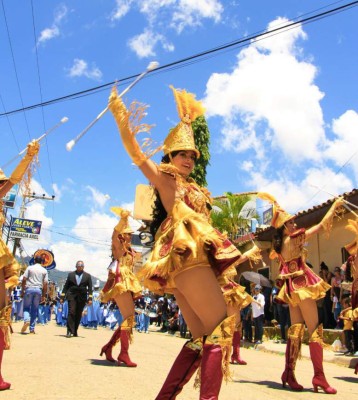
x,y
49,366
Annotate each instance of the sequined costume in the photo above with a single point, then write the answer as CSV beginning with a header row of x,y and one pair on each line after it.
x,y
121,278
299,281
186,239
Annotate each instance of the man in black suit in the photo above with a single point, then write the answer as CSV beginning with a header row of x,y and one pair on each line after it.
x,y
78,292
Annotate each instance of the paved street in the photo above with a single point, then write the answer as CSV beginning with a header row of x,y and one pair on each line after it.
x,y
50,366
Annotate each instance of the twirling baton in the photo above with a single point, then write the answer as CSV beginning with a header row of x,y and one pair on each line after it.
x,y
152,65
63,120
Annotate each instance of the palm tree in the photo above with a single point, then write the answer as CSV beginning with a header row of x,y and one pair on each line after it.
x,y
227,216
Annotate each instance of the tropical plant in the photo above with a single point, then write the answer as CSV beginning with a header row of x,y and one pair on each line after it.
x,y
226,214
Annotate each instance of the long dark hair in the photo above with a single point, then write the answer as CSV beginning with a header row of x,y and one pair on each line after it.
x,y
278,239
159,213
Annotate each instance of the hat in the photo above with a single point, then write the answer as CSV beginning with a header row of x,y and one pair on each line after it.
x,y
259,287
279,215
182,137
3,177
123,224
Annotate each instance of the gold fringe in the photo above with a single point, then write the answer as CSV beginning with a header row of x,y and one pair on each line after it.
x,y
327,221
127,325
222,336
295,333
5,323
317,337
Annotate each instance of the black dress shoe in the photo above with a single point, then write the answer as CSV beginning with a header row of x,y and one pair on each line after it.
x,y
75,334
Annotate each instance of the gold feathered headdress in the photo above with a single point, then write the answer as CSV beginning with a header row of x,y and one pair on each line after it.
x,y
352,247
182,137
279,215
123,224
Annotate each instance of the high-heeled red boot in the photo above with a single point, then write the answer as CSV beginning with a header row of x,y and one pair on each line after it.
x,y
215,359
4,340
107,348
235,357
293,347
126,338
316,352
186,363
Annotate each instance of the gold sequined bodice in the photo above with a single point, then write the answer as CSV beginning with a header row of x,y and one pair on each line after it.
x,y
293,247
193,195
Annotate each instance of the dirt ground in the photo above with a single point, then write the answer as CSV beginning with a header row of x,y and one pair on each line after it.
x,y
50,366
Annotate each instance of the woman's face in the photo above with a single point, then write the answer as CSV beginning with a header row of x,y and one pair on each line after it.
x,y
290,226
185,161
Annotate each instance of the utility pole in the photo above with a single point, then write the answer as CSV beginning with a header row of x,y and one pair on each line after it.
x,y
26,199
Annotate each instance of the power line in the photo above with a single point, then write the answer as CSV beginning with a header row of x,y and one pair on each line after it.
x,y
196,57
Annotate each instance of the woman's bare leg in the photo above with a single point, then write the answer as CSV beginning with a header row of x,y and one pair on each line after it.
x,y
309,312
296,315
125,304
200,289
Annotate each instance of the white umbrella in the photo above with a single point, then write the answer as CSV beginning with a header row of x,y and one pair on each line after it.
x,y
257,278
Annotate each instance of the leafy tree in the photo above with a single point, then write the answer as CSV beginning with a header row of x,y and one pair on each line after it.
x,y
202,141
227,218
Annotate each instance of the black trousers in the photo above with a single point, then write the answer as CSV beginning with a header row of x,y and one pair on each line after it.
x,y
259,327
75,308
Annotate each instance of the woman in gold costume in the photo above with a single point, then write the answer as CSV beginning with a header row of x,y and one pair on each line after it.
x,y
8,265
300,289
236,299
122,286
188,254
352,272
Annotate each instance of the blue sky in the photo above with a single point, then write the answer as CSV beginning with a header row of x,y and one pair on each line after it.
x,y
282,112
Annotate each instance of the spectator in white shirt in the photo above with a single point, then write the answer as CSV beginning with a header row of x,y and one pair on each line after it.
x,y
258,313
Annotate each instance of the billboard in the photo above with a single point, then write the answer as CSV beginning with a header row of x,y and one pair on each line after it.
x,y
10,197
267,216
22,228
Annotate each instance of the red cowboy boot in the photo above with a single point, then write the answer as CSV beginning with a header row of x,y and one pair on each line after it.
x,y
107,348
186,363
293,347
215,359
4,342
126,337
235,357
316,352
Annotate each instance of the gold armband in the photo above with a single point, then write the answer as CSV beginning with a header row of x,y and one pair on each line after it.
x,y
127,132
32,150
327,220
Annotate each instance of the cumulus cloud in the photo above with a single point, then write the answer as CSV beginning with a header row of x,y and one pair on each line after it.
x,y
143,44
270,87
81,68
190,13
98,199
53,31
343,148
121,9
164,15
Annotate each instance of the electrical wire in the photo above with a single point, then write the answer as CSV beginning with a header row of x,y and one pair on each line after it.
x,y
196,57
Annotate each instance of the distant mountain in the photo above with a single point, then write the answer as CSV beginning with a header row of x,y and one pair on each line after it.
x,y
60,278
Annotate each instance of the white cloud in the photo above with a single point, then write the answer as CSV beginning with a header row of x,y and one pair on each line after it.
x,y
189,13
143,44
164,15
54,31
121,9
270,87
99,199
313,189
344,149
80,68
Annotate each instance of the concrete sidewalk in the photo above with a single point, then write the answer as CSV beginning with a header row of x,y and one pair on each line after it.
x,y
270,346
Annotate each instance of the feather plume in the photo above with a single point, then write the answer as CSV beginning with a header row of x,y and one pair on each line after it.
x,y
187,105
